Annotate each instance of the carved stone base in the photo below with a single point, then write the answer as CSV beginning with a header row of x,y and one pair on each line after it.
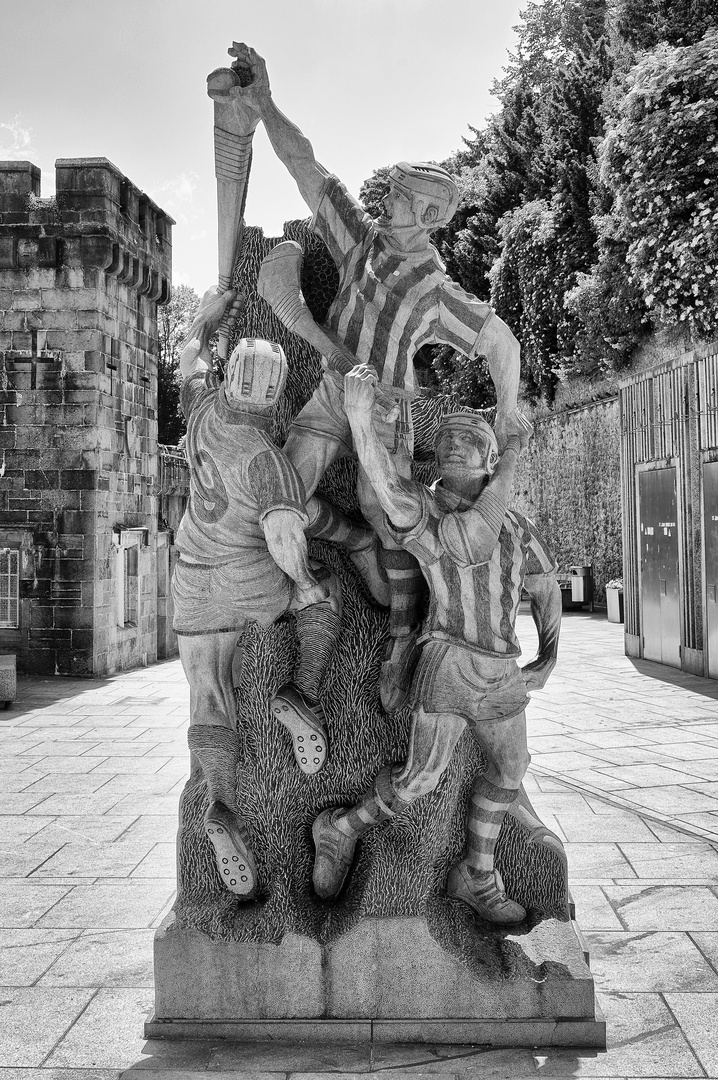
x,y
386,980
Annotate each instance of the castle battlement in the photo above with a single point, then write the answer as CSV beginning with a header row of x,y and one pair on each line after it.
x,y
98,219
81,276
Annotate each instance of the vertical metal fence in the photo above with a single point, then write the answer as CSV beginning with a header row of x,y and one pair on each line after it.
x,y
669,415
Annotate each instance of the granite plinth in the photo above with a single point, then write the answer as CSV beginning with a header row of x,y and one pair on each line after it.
x,y
386,980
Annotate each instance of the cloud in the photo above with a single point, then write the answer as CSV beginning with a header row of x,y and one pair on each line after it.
x,y
180,277
176,193
15,140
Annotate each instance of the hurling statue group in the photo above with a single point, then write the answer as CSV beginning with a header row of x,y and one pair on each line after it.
x,y
244,537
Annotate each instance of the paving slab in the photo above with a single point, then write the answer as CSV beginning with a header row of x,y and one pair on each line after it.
x,y
707,942
21,904
646,1041
664,907
671,859
118,958
697,1014
108,1034
652,962
26,954
32,1020
129,906
646,895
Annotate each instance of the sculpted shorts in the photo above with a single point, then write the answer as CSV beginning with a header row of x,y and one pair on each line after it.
x,y
214,600
452,679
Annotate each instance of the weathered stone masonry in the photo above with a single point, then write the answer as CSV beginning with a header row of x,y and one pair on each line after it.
x,y
81,275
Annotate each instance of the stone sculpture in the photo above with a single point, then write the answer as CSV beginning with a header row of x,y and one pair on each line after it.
x,y
476,558
244,561
393,297
384,952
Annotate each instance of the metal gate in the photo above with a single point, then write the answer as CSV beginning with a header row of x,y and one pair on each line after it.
x,y
660,603
710,548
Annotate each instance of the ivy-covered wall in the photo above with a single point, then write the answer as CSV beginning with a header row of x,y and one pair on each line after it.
x,y
569,484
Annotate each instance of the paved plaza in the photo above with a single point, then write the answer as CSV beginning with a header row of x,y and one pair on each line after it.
x,y
625,768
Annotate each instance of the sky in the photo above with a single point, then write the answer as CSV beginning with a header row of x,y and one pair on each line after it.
x,y
370,82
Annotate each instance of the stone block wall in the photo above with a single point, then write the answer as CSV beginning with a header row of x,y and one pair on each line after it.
x,y
81,276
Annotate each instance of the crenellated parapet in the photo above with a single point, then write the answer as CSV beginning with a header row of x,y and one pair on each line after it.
x,y
97,220
81,277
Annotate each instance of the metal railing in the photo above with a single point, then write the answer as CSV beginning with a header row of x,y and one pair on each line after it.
x,y
173,478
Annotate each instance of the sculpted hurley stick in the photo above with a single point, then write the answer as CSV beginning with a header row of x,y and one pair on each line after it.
x,y
234,127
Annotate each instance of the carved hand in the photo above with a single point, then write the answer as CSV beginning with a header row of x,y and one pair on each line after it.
x,y
359,390
210,312
256,94
537,672
515,426
310,592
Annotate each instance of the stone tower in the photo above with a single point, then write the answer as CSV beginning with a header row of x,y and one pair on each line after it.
x,y
83,567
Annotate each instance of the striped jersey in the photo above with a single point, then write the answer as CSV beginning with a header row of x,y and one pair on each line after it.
x,y
390,303
471,603
237,475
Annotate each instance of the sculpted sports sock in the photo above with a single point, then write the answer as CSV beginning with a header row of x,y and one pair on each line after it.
x,y
487,807
218,750
328,522
406,587
317,633
380,803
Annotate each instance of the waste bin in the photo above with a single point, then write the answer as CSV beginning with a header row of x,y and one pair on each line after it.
x,y
581,584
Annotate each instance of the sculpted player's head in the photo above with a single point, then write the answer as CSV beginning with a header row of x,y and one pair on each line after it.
x,y
465,447
420,195
255,375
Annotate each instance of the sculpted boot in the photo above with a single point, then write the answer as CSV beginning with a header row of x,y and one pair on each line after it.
x,y
305,723
484,893
334,854
336,831
217,748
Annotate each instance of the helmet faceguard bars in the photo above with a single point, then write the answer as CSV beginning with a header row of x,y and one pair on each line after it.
x,y
256,374
469,421
433,185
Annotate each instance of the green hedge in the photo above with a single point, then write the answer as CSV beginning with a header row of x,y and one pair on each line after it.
x,y
569,482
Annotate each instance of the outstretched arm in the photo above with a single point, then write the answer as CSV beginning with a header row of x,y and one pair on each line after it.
x,y
287,544
503,355
397,500
546,612
292,148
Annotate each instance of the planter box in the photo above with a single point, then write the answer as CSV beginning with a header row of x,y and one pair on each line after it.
x,y
614,600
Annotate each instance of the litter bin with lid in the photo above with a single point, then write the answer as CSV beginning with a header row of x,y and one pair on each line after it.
x,y
582,585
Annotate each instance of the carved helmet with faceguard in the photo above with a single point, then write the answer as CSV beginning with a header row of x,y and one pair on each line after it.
x,y
255,374
426,186
471,421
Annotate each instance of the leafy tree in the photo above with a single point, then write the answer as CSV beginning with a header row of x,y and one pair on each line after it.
x,y
644,24
373,190
468,379
660,160
173,322
534,257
